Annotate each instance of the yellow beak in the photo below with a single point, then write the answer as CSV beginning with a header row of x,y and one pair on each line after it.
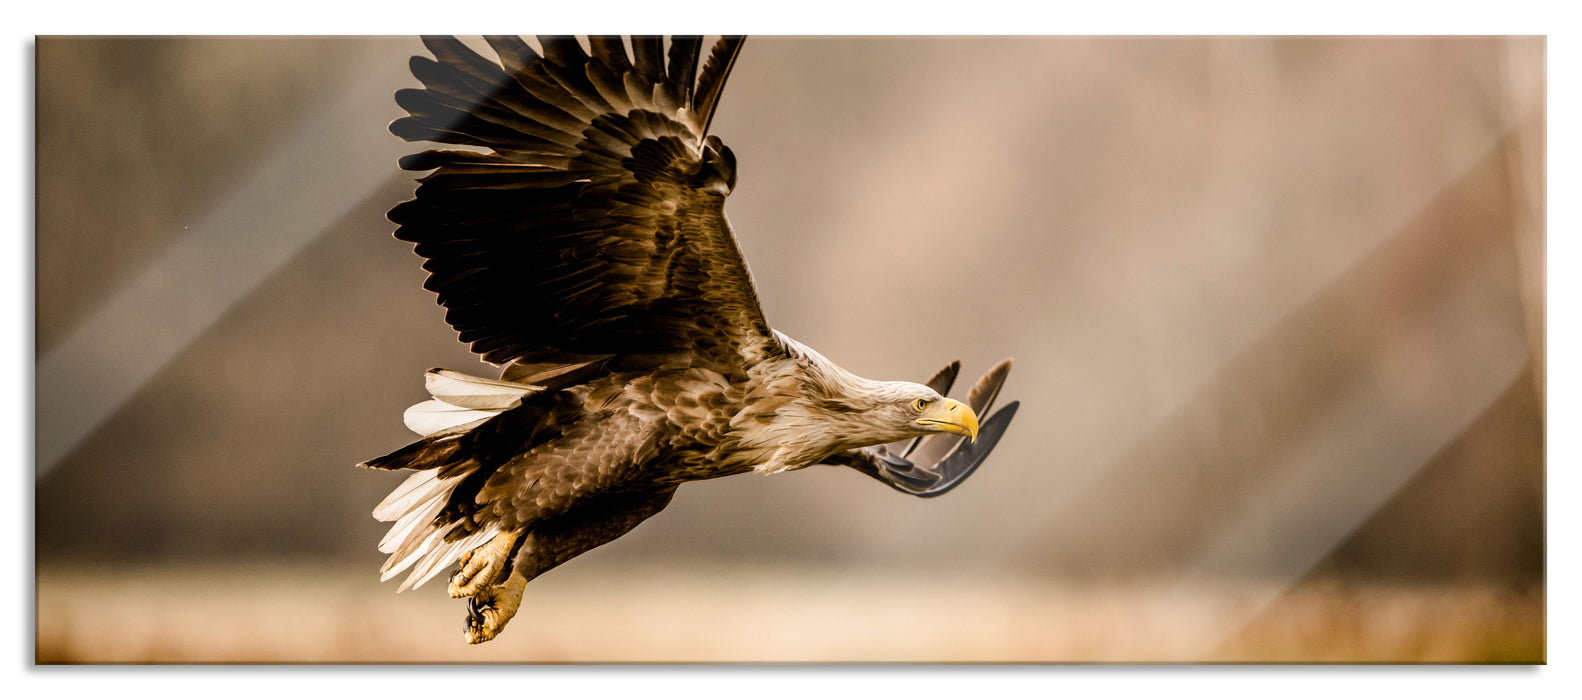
x,y
951,416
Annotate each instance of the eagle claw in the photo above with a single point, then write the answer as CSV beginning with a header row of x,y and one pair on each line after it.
x,y
489,609
481,567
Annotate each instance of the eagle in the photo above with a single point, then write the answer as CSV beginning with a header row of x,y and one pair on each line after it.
x,y
574,230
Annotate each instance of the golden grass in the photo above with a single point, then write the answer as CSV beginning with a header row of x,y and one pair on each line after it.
x,y
305,614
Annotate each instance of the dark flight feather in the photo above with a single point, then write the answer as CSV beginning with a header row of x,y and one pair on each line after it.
x,y
712,82
564,280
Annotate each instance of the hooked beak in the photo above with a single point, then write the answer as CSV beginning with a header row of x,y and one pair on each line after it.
x,y
951,416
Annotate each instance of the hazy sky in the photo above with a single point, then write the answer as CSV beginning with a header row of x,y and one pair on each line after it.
x,y
1271,301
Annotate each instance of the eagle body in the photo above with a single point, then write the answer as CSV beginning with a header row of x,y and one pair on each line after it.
x,y
580,242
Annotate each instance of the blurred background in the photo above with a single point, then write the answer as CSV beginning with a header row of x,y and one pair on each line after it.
x,y
1276,306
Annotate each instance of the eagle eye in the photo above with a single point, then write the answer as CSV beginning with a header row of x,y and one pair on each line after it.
x,y
920,404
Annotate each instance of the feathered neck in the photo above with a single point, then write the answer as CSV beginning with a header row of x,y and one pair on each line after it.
x,y
821,409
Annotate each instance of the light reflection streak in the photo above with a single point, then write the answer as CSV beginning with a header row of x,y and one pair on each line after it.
x,y
283,205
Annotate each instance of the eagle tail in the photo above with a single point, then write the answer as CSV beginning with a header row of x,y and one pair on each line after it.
x,y
427,536
420,538
416,539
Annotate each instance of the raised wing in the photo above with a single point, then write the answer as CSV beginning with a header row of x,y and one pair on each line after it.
x,y
591,225
932,465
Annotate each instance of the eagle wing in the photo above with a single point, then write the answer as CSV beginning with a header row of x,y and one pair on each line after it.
x,y
586,223
932,465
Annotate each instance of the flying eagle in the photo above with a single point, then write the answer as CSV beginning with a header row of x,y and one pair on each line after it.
x,y
581,243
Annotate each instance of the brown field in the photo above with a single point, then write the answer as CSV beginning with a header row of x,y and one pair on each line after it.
x,y
601,614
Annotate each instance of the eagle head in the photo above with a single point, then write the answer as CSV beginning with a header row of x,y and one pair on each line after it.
x,y
826,409
880,412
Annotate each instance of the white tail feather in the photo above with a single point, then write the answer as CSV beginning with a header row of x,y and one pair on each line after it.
x,y
443,554
460,400
404,557
413,539
434,416
414,534
467,391
397,503
421,513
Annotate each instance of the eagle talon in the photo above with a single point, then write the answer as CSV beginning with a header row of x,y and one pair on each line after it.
x,y
474,617
490,609
481,567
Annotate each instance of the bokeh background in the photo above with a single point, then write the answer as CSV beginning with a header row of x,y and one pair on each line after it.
x,y
1276,306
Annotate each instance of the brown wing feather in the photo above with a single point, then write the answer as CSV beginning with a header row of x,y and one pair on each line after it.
x,y
593,223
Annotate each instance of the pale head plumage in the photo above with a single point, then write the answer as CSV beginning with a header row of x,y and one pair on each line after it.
x,y
832,410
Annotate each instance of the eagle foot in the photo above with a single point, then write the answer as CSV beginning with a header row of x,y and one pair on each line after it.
x,y
489,609
481,567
